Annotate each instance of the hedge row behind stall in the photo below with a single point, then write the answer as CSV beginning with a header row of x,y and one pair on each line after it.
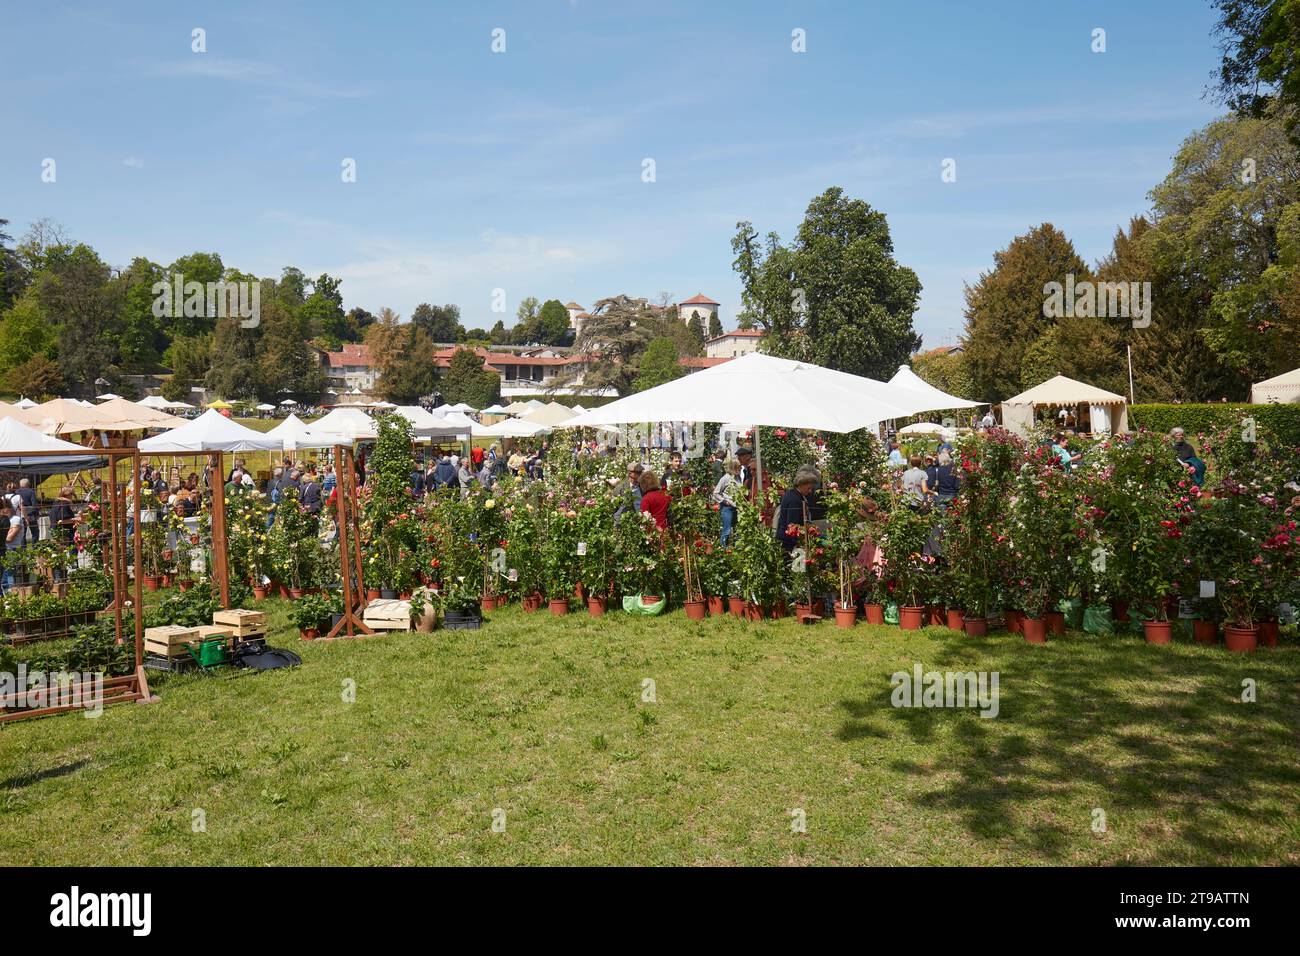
x,y
1283,421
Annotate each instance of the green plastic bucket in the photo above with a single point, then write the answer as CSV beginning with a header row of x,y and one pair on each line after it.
x,y
209,652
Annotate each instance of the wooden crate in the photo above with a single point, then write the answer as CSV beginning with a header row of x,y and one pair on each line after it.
x,y
209,631
169,640
388,615
239,618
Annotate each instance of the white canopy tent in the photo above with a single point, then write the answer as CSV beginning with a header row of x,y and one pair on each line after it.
x,y
154,401
1107,412
24,402
106,397
21,448
906,378
928,428
350,422
458,407
211,431
494,409
552,414
123,415
426,424
1280,389
510,428
263,407
293,434
290,401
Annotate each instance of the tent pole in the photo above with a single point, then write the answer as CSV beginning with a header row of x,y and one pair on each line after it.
x,y
758,463
219,564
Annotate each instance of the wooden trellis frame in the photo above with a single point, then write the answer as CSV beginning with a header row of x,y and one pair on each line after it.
x,y
346,508
126,687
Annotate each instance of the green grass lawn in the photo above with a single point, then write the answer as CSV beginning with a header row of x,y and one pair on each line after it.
x,y
544,719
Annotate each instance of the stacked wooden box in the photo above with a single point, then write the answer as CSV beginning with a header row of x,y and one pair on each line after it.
x,y
240,624
169,640
388,615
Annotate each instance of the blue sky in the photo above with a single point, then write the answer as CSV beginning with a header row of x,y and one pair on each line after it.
x,y
522,170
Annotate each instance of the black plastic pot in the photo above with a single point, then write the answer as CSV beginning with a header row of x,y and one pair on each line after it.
x,y
388,594
462,620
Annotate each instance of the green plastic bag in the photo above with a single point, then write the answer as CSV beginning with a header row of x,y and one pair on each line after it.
x,y
891,613
632,605
1096,620
1072,608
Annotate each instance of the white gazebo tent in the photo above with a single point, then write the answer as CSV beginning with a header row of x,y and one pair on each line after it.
x,y
928,428
552,414
426,424
1107,412
1280,389
154,401
24,402
510,428
293,434
349,422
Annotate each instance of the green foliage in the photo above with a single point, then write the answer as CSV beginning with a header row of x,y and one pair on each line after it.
x,y
1282,421
467,381
658,365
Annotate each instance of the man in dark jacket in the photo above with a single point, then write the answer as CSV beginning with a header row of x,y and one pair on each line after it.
x,y
444,473
311,499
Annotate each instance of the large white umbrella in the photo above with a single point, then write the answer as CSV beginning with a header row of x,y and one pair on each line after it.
x,y
211,431
290,401
928,428
264,407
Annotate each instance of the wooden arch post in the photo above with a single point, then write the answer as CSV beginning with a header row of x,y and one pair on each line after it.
x,y
345,494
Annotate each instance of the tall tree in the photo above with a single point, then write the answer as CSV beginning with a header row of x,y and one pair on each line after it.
x,y
13,274
286,363
1004,313
715,325
441,322
837,296
74,286
658,364
468,381
1260,71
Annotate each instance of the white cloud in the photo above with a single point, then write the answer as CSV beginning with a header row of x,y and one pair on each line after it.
x,y
134,162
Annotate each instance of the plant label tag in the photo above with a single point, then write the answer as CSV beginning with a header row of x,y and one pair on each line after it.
x,y
512,575
1207,589
1286,614
197,564
582,548
1186,609
83,560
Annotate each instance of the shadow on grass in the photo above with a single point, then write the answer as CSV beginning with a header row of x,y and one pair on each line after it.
x,y
1193,774
27,778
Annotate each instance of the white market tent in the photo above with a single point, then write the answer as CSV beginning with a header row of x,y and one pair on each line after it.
x,y
263,407
21,447
211,431
179,406
906,378
1107,412
459,407
290,401
123,415
106,397
24,402
348,421
1280,389
154,401
552,414
928,428
493,409
510,428
293,433
425,424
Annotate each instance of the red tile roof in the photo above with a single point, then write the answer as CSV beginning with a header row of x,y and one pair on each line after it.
x,y
700,299
351,355
699,361
739,334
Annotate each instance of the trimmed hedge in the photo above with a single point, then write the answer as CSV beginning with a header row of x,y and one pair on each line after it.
x,y
586,401
1283,421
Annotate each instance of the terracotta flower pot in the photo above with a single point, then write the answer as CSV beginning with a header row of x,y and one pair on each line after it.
x,y
1268,633
778,610
736,606
717,605
1055,622
580,592
802,611
938,615
596,606
532,603
1205,632
150,582
166,580
975,626
1014,621
846,616
487,603
309,633
1120,611
649,599
911,618
284,593
260,592
956,618
558,606
1240,639
753,612
1158,632
695,610
875,613
296,593
1034,629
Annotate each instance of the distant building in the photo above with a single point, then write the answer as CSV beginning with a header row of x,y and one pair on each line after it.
x,y
698,305
351,368
733,344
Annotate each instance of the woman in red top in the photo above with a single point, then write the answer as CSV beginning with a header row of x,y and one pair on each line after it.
x,y
653,499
